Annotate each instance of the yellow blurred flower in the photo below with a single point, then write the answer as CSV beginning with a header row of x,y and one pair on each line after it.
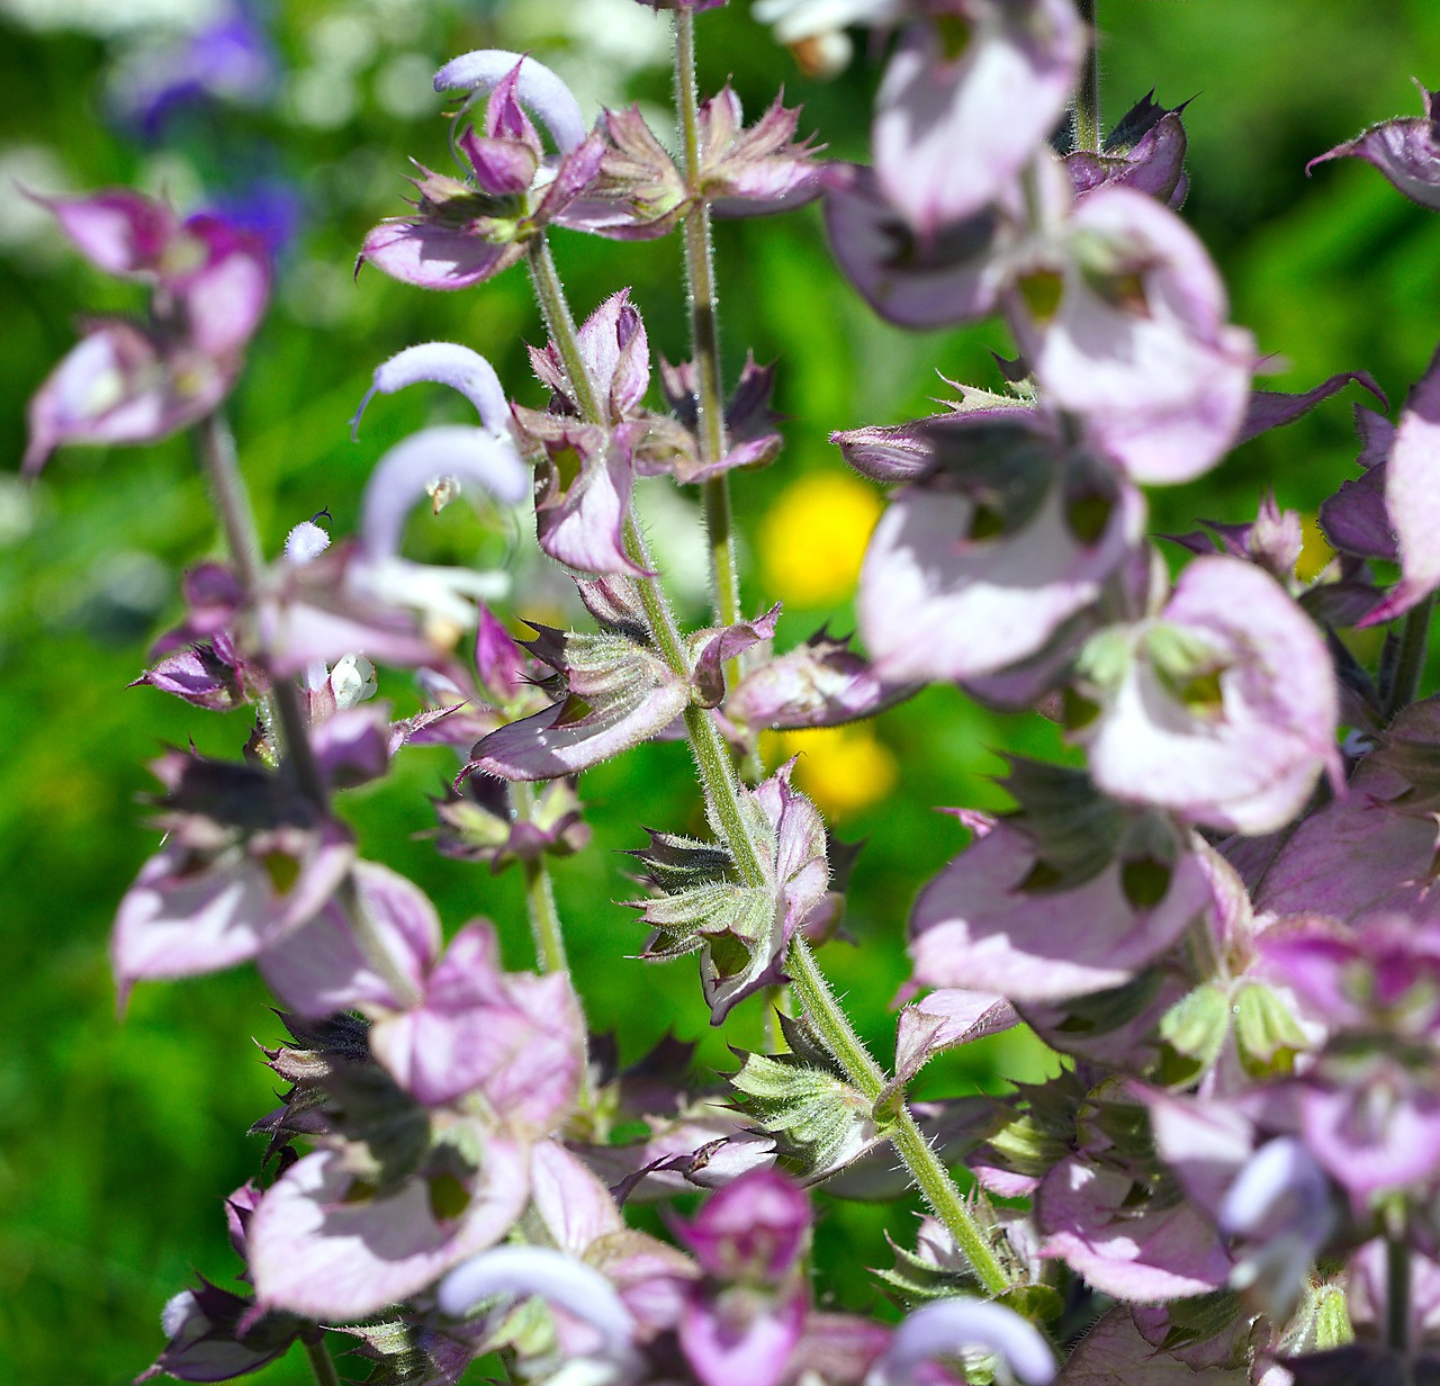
x,y
813,538
843,769
1315,550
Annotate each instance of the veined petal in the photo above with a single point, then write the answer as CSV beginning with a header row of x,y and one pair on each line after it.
x,y
539,89
315,1251
973,608
432,256
551,744
119,385
976,926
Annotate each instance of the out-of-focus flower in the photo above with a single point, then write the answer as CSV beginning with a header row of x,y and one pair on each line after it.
x,y
1222,709
812,539
1411,471
814,30
229,58
1128,331
952,275
843,769
127,382
1282,1207
517,1039
245,864
967,100
746,1318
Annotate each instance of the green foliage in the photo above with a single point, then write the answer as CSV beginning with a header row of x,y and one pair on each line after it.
x,y
118,1143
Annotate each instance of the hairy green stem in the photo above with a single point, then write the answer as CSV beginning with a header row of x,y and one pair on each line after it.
x,y
560,323
221,464
705,340
1410,661
540,896
924,1165
1087,127
321,1363
716,768
712,756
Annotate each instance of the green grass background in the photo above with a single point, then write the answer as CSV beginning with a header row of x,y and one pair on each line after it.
x,y
118,1141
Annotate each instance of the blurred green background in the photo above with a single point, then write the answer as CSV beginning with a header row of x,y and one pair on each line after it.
x,y
118,1141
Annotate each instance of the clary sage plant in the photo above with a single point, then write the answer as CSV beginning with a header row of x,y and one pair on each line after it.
x,y
1223,925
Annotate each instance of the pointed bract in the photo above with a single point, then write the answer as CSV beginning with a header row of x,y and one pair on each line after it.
x,y
1406,151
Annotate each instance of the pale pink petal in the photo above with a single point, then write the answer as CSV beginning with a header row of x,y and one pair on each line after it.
x,y
975,927
1412,497
315,1254
576,1208
935,606
1115,1353
1249,765
176,921
951,136
1163,385
1146,1254
322,968
117,230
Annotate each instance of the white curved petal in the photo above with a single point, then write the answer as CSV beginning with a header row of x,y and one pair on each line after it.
x,y
443,363
950,1327
402,475
568,1284
540,90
